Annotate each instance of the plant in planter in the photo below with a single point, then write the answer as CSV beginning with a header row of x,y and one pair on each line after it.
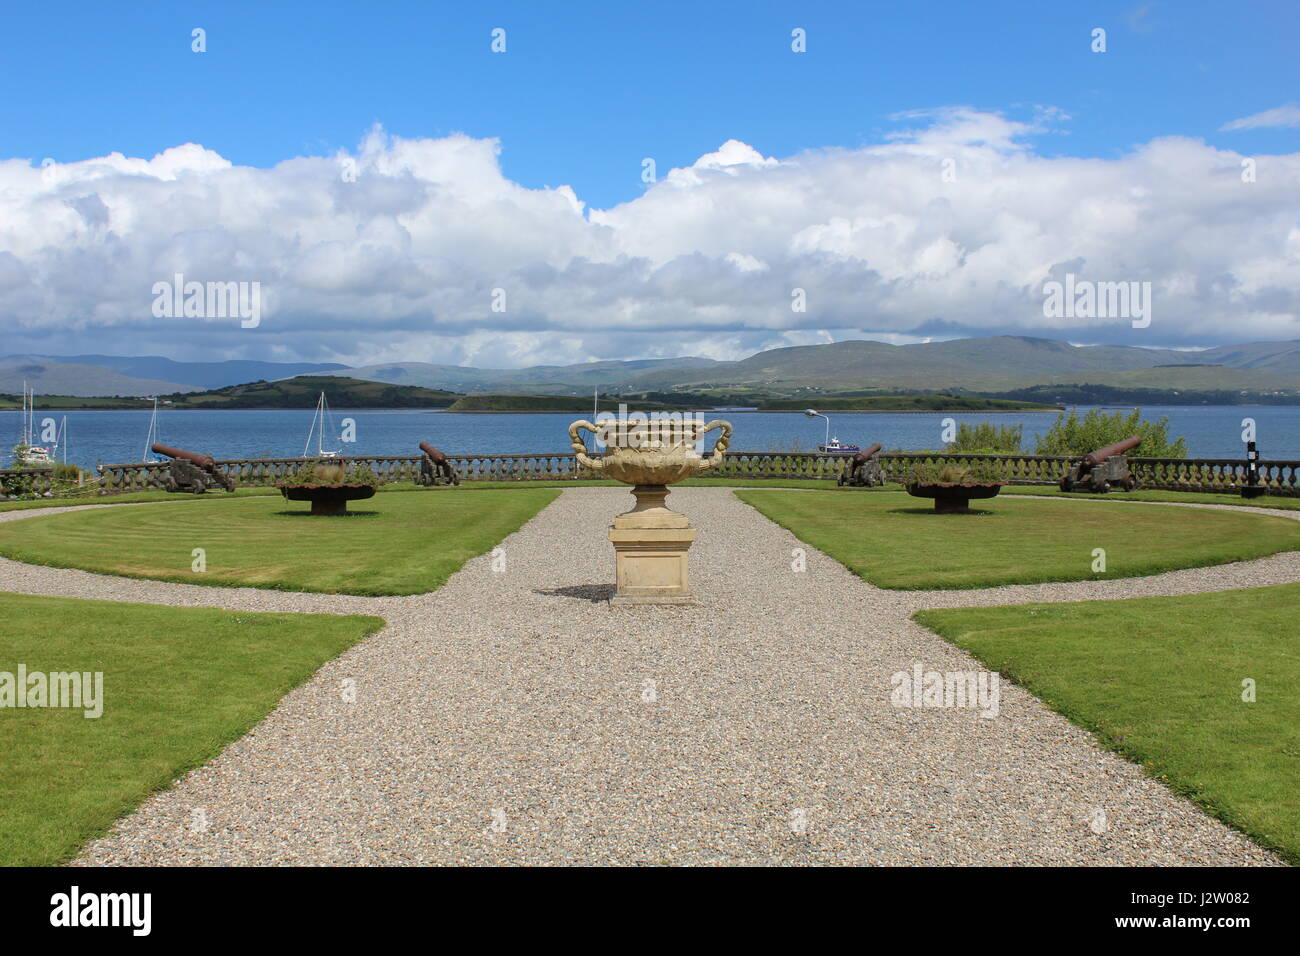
x,y
953,485
329,484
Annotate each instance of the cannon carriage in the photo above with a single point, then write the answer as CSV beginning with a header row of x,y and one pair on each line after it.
x,y
435,468
1103,470
863,470
190,472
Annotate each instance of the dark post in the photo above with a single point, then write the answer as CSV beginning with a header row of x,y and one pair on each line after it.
x,y
1252,488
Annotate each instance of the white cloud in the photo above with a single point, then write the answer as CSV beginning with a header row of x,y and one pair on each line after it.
x,y
1288,115
402,263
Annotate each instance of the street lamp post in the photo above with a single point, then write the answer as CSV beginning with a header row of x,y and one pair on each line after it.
x,y
813,413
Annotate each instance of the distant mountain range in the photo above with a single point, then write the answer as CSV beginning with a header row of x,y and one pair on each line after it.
x,y
988,365
549,379
999,363
985,365
86,375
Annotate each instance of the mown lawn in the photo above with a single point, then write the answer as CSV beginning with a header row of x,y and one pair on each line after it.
x,y
179,684
1276,502
394,543
897,541
1160,680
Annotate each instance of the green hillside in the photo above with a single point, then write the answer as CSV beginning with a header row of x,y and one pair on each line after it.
x,y
303,391
546,403
909,403
56,402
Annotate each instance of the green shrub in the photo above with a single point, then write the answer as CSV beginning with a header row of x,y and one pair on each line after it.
x,y
1074,437
948,472
987,439
331,471
16,484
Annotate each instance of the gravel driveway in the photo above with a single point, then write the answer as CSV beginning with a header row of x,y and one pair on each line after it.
x,y
514,717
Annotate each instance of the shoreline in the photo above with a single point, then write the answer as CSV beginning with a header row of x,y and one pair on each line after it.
x,y
535,411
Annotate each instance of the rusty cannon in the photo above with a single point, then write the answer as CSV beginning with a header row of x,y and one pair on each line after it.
x,y
190,472
863,470
435,468
1103,469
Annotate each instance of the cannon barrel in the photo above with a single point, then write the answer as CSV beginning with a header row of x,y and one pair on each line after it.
x,y
1119,448
432,452
206,462
866,454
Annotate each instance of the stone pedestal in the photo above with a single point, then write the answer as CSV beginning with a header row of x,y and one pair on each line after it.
x,y
650,545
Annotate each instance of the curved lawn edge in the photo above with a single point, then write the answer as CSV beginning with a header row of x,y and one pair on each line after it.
x,y
171,704
832,539
463,537
1119,688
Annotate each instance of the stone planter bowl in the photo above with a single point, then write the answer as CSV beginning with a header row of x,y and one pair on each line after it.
x,y
953,497
327,499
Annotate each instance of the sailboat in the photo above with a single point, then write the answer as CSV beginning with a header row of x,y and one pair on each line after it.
x,y
27,452
152,436
321,415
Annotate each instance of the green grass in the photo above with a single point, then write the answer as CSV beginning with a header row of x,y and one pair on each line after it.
x,y
1160,681
394,544
133,497
1276,502
179,684
896,541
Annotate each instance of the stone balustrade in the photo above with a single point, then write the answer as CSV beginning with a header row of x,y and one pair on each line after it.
x,y
1223,475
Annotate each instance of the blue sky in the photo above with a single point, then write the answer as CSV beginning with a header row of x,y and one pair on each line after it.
x,y
492,177
585,91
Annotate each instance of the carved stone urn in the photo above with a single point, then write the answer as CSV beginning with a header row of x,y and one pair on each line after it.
x,y
651,541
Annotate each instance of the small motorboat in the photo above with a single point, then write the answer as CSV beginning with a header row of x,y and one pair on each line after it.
x,y
837,447
831,446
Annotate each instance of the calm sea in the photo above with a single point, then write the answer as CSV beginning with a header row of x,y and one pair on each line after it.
x,y
119,436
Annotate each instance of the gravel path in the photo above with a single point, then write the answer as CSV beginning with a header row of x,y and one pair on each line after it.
x,y
517,718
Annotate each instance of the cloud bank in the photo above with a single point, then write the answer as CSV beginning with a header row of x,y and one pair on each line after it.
x,y
1288,115
422,250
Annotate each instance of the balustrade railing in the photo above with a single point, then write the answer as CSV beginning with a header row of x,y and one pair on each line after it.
x,y
25,482
1225,475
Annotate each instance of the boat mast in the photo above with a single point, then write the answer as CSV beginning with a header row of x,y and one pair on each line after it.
x,y
152,435
320,435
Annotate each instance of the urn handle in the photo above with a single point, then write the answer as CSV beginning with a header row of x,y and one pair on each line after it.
x,y
724,440
580,446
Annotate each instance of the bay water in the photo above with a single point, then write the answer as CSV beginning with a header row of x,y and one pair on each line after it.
x,y
1212,431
